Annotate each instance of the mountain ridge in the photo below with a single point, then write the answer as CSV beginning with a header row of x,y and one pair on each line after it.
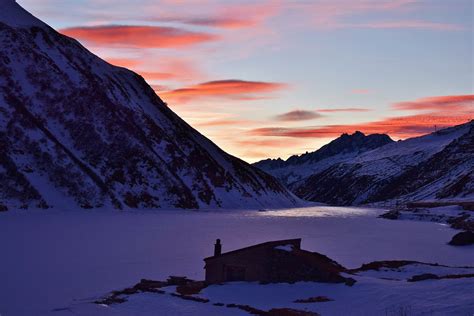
x,y
77,131
435,166
343,147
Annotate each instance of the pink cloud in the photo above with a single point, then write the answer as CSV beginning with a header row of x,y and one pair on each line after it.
x,y
444,111
227,89
400,127
163,68
344,110
138,36
439,103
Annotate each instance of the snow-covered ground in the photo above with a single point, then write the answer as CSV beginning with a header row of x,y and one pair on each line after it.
x,y
54,261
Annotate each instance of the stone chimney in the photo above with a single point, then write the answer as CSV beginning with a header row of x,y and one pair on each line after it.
x,y
217,248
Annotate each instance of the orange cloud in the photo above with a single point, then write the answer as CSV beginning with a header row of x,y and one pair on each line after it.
x,y
298,115
277,143
227,89
138,36
400,127
123,62
441,103
444,111
169,68
344,110
159,88
224,122
157,75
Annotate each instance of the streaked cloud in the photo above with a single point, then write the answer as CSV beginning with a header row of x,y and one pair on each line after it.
x,y
124,62
227,16
138,36
298,115
399,127
340,58
444,111
231,89
161,69
404,24
440,103
223,122
340,15
333,110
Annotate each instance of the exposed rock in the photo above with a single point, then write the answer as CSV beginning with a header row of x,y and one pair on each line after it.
x,y
316,299
462,222
431,276
249,309
191,288
377,265
191,298
289,312
392,214
422,277
178,280
463,239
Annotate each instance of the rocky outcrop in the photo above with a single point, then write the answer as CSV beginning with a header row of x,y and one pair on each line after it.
x,y
463,239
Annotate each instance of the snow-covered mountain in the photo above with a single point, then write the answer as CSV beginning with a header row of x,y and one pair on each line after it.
x,y
435,166
341,149
77,131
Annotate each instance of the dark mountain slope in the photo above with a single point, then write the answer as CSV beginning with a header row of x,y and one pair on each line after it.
x,y
75,130
435,166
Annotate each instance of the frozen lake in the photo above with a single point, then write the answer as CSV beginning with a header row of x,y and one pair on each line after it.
x,y
52,258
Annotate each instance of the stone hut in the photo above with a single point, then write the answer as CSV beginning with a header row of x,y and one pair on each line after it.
x,y
271,262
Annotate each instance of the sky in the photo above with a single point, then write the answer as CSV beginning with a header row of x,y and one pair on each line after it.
x,y
268,79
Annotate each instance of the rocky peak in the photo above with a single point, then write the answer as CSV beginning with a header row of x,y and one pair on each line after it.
x,y
346,143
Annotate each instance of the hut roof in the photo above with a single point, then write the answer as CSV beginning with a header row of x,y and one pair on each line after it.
x,y
296,242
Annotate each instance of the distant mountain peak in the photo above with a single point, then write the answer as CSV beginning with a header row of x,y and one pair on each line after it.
x,y
355,134
357,142
346,144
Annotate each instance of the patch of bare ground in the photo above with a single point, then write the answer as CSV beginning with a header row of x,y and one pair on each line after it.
x,y
186,289
431,276
315,299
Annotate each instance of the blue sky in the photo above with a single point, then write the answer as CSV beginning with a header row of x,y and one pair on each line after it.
x,y
275,78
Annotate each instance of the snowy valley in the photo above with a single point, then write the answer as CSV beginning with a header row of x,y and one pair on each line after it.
x,y
106,193
62,262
